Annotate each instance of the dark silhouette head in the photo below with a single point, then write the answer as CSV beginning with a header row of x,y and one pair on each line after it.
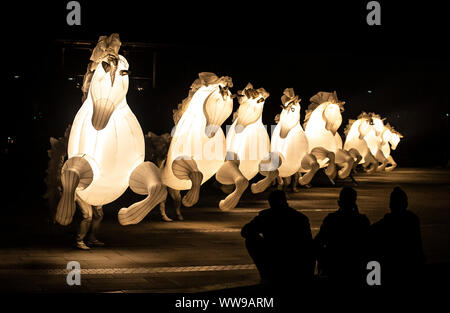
x,y
399,200
277,199
347,199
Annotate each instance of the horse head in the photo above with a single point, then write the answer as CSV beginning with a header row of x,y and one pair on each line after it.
x,y
219,103
332,109
108,88
290,113
251,104
392,136
365,125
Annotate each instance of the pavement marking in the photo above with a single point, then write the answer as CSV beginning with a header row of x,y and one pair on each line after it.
x,y
205,230
136,270
197,230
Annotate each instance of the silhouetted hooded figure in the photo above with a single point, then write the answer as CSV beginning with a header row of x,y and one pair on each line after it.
x,y
279,241
398,243
341,242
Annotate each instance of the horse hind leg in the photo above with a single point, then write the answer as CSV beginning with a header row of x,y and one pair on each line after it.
x,y
321,153
144,180
269,168
381,158
357,157
370,165
76,173
309,163
344,159
186,168
229,173
392,164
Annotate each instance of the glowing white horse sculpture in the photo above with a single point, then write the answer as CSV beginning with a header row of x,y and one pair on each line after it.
x,y
106,150
322,121
290,142
355,132
248,147
197,149
375,141
389,140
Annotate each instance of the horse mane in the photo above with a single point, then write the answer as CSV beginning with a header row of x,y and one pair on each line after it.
x,y
349,126
204,79
290,98
320,98
250,93
368,116
393,130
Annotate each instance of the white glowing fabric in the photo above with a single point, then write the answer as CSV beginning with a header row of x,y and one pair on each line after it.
x,y
207,107
374,140
247,137
355,137
114,151
321,129
289,140
389,140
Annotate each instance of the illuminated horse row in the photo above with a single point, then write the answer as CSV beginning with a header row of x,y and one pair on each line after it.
x,y
373,142
106,146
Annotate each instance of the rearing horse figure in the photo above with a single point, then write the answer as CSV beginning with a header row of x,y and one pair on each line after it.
x,y
197,149
322,121
389,140
248,149
355,132
106,147
290,142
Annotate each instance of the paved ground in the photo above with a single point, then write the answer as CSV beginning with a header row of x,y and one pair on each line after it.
x,y
204,252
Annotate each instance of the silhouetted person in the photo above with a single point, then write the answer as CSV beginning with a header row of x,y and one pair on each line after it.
x,y
341,242
398,243
279,241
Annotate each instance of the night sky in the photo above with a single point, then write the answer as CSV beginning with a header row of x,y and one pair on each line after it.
x,y
399,70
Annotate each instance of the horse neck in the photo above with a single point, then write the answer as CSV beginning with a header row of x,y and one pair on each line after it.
x,y
354,130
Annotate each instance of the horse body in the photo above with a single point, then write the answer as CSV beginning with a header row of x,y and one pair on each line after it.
x,y
197,149
113,153
189,139
248,149
323,118
251,145
106,149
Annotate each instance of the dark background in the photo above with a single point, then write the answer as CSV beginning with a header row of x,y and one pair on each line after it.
x,y
399,70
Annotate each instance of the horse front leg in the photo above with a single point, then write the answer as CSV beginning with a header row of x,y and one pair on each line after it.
x,y
144,180
310,164
76,173
186,168
269,168
228,174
